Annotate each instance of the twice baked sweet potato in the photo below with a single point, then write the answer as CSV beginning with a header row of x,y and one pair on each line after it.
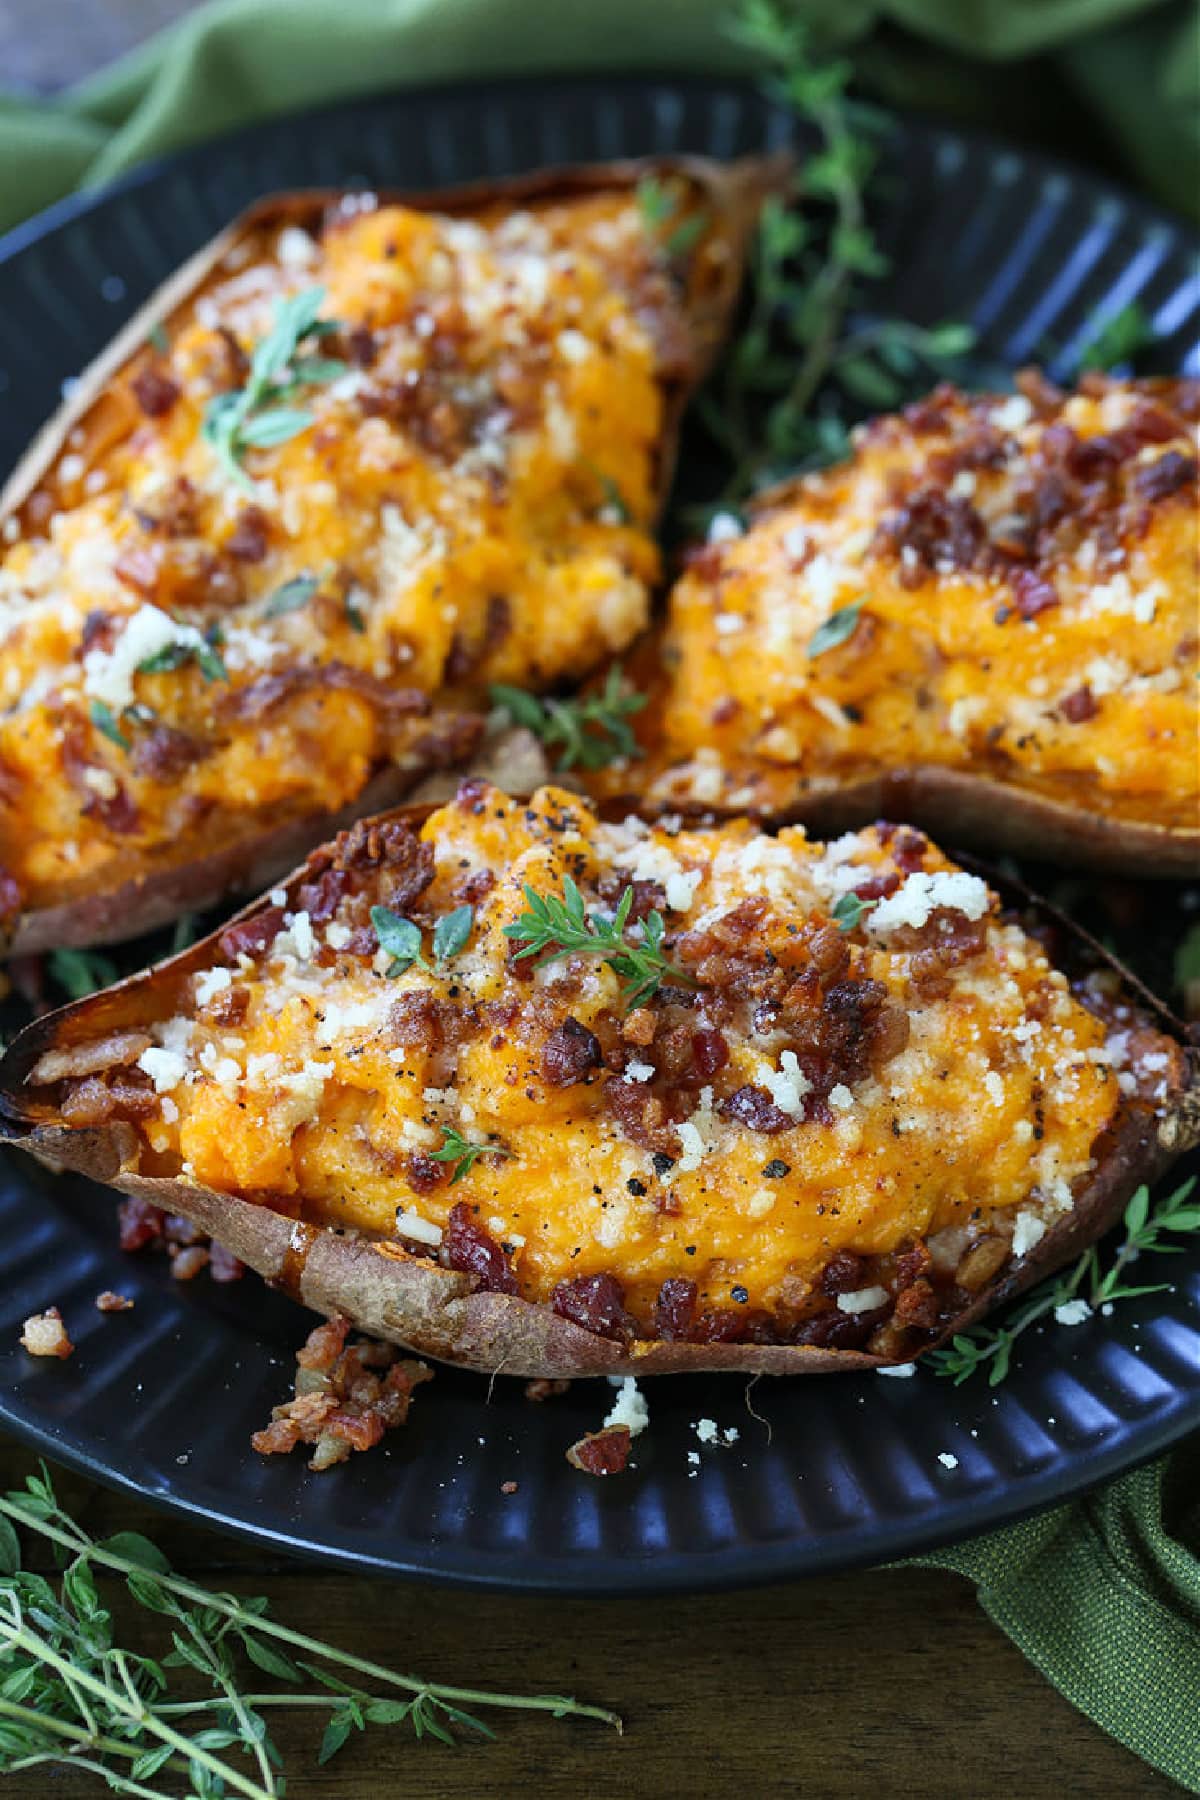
x,y
527,1091
985,620
361,457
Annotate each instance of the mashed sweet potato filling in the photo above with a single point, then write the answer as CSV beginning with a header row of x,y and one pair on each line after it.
x,y
449,479
1006,586
849,1059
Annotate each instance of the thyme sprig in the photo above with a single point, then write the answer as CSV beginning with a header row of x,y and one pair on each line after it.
x,y
72,1695
402,939
81,972
463,1152
588,732
553,928
991,1347
814,257
1118,339
257,416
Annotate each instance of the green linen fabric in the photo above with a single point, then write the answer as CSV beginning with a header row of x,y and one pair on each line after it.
x,y
1103,1595
1113,77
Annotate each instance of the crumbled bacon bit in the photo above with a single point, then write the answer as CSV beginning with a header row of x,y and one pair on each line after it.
x,y
1159,480
1033,593
44,1334
570,1053
508,1487
604,1452
223,1265
247,542
545,1388
250,937
154,391
109,1302
597,1304
466,1246
754,1108
347,1396
141,1223
186,1264
1080,706
674,1309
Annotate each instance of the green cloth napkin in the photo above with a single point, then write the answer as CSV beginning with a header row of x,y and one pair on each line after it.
x,y
1102,1595
1111,79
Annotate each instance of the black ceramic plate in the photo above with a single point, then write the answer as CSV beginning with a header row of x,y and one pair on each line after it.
x,y
163,1398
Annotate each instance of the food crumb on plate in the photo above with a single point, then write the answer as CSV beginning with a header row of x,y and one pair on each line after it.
x,y
947,1461
44,1334
109,1302
1072,1312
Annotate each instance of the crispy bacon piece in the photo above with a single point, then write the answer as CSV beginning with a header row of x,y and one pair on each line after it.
x,y
347,1396
604,1452
466,1246
597,1303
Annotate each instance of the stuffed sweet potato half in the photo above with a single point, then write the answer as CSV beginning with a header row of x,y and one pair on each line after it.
x,y
360,458
985,620
528,1091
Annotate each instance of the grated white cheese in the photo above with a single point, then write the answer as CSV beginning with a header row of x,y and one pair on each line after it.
x,y
862,1300
923,894
947,1461
994,1083
420,1231
166,1068
629,1408
841,1097
903,1370
639,1071
695,1134
108,674
1072,1312
787,1085
209,982
1028,1231
723,528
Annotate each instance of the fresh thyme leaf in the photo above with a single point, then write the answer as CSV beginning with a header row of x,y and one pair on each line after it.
x,y
184,933
614,500
659,208
81,972
105,721
185,650
810,274
553,928
400,938
1118,338
849,911
256,416
589,731
268,429
835,630
463,1153
355,617
157,337
1187,958
291,596
451,932
991,1347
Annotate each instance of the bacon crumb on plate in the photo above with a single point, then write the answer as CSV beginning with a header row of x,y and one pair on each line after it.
x,y
604,1452
346,1396
109,1302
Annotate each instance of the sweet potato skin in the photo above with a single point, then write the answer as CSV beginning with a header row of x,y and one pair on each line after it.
x,y
409,1299
155,896
958,806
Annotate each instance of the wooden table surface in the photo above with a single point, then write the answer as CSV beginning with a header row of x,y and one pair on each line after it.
x,y
893,1681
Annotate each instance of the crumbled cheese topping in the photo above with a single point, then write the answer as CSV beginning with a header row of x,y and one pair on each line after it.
x,y
166,1068
629,1408
787,1085
108,674
1072,1312
922,894
863,1300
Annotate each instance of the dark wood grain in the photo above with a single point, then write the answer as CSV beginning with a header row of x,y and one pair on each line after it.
x,y
891,1682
